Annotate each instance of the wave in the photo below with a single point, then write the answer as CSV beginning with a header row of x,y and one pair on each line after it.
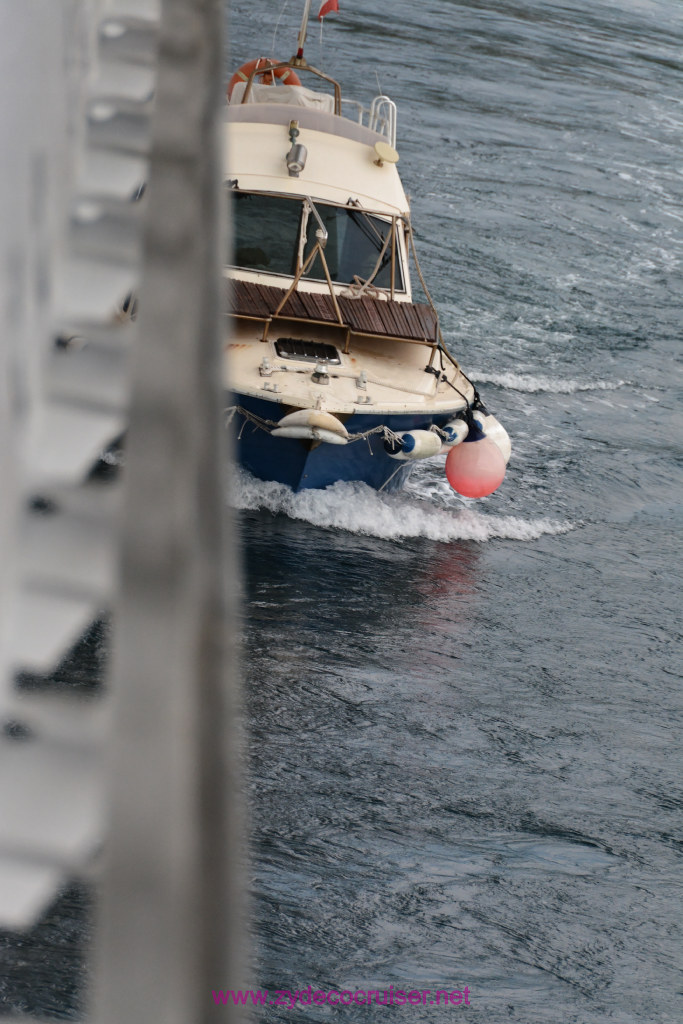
x,y
357,508
530,384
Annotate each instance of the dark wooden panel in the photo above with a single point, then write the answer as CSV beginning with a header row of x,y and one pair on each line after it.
x,y
366,315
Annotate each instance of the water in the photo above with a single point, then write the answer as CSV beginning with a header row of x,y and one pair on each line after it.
x,y
464,716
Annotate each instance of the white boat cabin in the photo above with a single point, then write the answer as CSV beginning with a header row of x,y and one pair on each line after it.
x,y
315,192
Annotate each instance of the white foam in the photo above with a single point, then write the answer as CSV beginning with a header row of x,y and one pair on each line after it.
x,y
359,509
530,384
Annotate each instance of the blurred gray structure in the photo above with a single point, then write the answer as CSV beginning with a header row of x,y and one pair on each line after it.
x,y
66,203
132,90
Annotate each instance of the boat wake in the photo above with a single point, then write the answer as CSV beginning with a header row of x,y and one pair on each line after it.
x,y
532,385
357,508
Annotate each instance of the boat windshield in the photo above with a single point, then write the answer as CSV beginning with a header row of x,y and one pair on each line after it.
x,y
267,234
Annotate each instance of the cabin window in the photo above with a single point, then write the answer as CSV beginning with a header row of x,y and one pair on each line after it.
x,y
265,232
355,241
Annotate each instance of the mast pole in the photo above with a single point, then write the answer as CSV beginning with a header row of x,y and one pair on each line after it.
x,y
303,30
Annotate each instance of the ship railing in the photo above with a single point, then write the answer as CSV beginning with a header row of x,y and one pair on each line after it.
x,y
383,118
380,116
360,111
298,64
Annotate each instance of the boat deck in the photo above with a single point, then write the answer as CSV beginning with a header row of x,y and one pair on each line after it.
x,y
403,321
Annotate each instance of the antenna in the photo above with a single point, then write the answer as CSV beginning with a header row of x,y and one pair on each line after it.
x,y
282,11
303,29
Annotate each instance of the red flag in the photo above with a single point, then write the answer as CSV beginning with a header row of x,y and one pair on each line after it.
x,y
326,7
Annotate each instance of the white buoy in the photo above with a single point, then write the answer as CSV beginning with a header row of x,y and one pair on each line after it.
x,y
495,431
415,444
312,425
456,431
312,418
305,433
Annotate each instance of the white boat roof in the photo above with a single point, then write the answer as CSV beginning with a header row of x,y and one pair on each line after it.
x,y
342,162
314,118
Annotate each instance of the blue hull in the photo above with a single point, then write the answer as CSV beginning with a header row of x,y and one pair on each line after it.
x,y
303,464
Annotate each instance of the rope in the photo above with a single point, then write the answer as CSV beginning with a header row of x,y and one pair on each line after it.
x,y
388,480
442,344
269,425
359,289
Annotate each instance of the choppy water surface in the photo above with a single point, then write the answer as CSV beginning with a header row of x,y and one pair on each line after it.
x,y
464,716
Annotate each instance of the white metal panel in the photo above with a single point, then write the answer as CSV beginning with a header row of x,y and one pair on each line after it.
x,y
91,374
116,174
130,81
94,291
66,721
45,626
67,553
56,814
25,890
150,9
68,440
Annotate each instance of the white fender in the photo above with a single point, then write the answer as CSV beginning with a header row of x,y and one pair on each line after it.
x,y
417,444
329,436
313,418
310,434
495,431
457,430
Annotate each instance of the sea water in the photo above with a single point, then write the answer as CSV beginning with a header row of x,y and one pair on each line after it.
x,y
464,716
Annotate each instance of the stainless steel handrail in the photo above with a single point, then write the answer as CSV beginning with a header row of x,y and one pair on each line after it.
x,y
297,64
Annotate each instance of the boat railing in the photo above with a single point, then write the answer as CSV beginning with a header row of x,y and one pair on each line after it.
x,y
380,116
360,110
297,64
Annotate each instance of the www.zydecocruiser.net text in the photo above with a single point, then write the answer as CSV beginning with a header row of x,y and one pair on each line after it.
x,y
344,997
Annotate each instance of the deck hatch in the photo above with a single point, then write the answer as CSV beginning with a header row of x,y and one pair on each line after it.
x,y
310,351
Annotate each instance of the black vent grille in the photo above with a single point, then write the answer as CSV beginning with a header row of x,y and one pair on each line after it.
x,y
309,351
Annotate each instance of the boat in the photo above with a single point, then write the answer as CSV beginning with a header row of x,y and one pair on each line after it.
x,y
335,372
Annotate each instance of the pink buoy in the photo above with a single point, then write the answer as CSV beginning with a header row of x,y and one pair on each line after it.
x,y
476,467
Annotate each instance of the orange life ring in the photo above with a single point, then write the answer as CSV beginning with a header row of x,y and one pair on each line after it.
x,y
268,69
